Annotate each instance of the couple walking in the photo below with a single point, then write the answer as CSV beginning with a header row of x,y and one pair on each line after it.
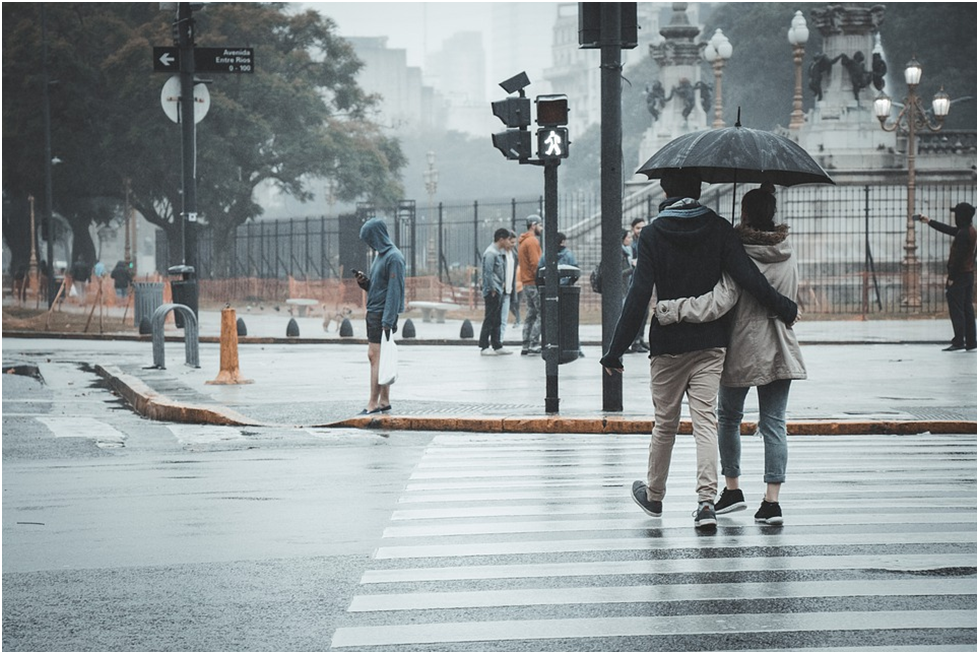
x,y
702,268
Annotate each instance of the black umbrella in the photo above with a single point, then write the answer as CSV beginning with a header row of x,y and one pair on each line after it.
x,y
737,154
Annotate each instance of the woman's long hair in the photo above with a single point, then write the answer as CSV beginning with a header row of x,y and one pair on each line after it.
x,y
758,210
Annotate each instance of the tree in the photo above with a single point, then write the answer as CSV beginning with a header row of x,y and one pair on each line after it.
x,y
300,115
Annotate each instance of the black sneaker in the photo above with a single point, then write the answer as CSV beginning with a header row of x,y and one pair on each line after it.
x,y
770,513
730,501
651,507
704,516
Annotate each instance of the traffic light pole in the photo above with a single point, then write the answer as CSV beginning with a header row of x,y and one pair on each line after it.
x,y
551,343
611,45
188,131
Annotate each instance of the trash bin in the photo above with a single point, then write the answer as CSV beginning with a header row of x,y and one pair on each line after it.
x,y
183,291
568,300
147,298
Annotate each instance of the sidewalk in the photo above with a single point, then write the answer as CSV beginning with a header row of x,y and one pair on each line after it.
x,y
887,376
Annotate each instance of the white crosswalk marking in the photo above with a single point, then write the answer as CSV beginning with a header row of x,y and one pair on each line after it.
x,y
104,434
532,542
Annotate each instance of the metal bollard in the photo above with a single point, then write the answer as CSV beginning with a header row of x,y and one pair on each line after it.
x,y
190,335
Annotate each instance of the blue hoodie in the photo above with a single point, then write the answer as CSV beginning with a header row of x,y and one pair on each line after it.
x,y
386,292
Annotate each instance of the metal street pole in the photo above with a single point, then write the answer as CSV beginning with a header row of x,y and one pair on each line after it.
x,y
48,192
798,35
188,131
912,117
611,264
551,342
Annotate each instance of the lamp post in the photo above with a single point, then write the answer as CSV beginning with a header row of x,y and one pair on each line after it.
x,y
798,35
717,51
911,118
431,177
33,272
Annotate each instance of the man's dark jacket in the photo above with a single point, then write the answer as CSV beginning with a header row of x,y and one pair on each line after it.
x,y
683,252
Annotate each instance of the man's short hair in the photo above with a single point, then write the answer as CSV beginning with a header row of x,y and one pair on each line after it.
x,y
681,184
501,233
636,221
533,220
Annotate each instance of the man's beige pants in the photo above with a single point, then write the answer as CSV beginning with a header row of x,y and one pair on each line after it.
x,y
698,374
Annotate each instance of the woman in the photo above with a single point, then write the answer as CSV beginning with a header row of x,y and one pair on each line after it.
x,y
763,353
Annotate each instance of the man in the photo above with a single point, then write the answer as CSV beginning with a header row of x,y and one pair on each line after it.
x,y
385,300
638,345
683,253
494,280
961,271
529,255
509,282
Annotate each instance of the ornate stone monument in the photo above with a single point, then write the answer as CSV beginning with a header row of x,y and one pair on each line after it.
x,y
678,102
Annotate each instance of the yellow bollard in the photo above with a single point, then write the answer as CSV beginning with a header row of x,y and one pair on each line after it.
x,y
229,350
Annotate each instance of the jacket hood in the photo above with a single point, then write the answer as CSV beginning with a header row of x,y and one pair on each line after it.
x,y
682,223
766,247
375,234
523,237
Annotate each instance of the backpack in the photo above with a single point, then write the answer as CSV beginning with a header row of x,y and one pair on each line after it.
x,y
596,279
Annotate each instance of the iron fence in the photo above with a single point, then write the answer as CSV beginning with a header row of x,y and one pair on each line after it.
x,y
849,240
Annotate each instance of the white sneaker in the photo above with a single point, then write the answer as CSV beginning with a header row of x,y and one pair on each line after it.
x,y
503,351
488,352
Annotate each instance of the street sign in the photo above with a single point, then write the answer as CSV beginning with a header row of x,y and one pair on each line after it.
x,y
166,60
206,60
170,99
224,60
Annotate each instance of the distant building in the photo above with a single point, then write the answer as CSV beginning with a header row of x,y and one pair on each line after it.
x,y
458,73
406,103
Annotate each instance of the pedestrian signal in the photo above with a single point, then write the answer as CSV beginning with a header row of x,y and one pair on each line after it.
x,y
552,143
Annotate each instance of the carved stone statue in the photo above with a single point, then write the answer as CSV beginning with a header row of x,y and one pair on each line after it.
x,y
655,99
705,92
879,69
860,77
687,95
821,65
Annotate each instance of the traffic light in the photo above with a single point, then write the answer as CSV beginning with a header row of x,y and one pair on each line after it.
x,y
514,111
552,143
513,143
552,110
552,115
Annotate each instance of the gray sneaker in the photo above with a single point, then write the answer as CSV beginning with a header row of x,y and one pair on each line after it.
x,y
704,517
651,507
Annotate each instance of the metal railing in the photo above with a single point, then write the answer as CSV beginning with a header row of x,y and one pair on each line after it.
x,y
849,240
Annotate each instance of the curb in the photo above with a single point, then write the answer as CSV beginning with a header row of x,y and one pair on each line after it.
x,y
150,404
615,425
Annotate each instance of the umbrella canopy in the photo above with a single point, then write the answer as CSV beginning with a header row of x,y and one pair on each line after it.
x,y
737,154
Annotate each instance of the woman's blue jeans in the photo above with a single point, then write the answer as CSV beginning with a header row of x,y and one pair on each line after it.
x,y
772,400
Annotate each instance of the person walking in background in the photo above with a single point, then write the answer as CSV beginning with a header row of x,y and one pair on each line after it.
x,y
961,275
763,353
494,279
81,272
683,253
529,255
509,281
637,224
121,279
385,288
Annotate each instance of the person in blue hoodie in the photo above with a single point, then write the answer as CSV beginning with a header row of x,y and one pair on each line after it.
x,y
385,300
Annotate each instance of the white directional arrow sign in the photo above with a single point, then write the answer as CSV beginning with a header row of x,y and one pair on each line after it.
x,y
170,99
167,59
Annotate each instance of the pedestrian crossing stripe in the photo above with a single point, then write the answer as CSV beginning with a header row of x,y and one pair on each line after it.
x,y
540,530
104,434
